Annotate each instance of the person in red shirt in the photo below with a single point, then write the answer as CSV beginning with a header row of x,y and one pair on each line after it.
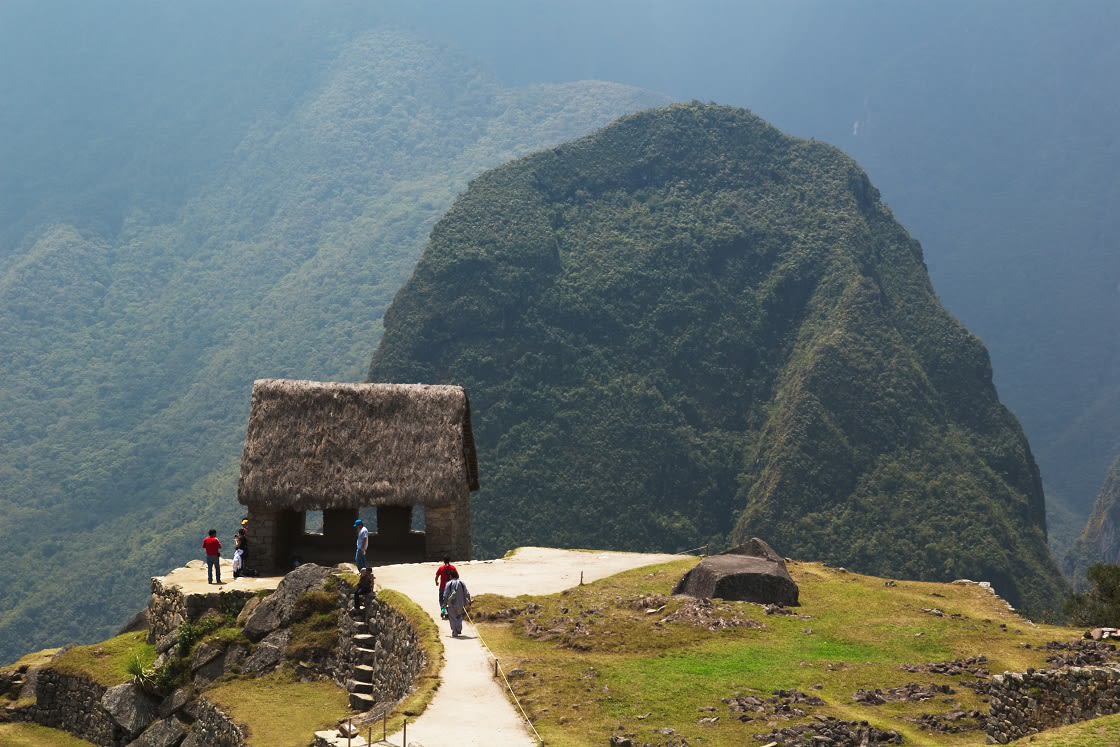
x,y
213,547
443,575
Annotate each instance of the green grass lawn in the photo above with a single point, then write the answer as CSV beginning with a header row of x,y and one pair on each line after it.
x,y
621,656
279,710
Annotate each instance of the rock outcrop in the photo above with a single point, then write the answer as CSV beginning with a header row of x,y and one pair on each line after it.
x,y
277,609
752,572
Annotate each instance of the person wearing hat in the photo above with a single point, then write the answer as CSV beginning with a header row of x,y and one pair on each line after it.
x,y
241,543
363,544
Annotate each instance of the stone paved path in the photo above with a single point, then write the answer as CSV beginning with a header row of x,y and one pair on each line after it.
x,y
471,707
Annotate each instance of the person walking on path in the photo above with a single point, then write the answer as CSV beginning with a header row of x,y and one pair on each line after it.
x,y
362,546
213,548
443,574
456,599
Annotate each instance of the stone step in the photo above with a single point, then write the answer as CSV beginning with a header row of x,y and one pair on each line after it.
x,y
354,686
361,701
362,639
364,654
363,673
361,626
332,739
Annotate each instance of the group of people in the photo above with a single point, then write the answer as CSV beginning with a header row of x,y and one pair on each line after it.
x,y
454,598
212,547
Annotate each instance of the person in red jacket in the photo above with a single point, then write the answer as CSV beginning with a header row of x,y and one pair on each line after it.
x,y
443,575
213,547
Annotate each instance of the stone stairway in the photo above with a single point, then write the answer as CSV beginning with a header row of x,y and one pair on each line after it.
x,y
360,684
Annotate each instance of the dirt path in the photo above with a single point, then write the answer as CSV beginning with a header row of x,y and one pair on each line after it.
x,y
471,707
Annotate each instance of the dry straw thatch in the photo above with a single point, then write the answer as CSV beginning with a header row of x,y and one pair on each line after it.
x,y
319,445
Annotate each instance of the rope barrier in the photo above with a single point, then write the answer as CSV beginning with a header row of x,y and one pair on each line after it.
x,y
498,669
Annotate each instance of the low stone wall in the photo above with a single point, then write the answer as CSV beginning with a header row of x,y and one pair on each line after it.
x,y
212,727
73,704
168,607
399,657
1025,703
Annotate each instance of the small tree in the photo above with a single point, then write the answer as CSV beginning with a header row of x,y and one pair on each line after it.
x,y
1100,605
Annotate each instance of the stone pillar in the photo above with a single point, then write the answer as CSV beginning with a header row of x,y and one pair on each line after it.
x,y
263,528
447,530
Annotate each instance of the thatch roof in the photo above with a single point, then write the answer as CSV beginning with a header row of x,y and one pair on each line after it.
x,y
316,445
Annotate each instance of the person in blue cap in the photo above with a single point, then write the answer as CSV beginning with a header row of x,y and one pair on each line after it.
x,y
362,546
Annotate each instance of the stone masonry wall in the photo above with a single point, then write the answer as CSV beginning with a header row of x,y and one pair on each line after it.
x,y
1024,703
73,704
168,607
213,728
399,657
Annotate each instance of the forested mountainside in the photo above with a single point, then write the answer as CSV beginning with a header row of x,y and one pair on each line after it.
x,y
1099,542
132,330
689,328
993,127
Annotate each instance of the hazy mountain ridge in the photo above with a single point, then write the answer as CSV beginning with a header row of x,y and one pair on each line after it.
x,y
689,320
129,356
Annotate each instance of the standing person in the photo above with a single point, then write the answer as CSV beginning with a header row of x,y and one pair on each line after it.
x,y
241,544
362,546
443,573
456,599
213,547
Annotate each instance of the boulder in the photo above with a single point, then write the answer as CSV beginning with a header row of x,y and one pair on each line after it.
x,y
268,654
168,732
276,610
175,701
752,572
131,709
212,659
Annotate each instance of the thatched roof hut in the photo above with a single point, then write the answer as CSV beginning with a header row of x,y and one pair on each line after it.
x,y
322,445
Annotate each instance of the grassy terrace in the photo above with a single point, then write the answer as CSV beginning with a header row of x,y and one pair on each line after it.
x,y
621,656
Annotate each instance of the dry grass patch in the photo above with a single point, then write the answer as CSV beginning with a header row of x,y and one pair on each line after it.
x,y
36,659
33,735
621,656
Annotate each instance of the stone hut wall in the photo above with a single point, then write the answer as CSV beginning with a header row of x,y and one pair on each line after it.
x,y
1024,703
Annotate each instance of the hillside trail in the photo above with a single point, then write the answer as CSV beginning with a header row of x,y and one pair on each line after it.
x,y
472,706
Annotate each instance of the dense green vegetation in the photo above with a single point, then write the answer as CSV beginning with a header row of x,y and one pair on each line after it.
x,y
689,328
130,346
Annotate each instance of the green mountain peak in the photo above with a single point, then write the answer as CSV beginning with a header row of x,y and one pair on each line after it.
x,y
690,329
